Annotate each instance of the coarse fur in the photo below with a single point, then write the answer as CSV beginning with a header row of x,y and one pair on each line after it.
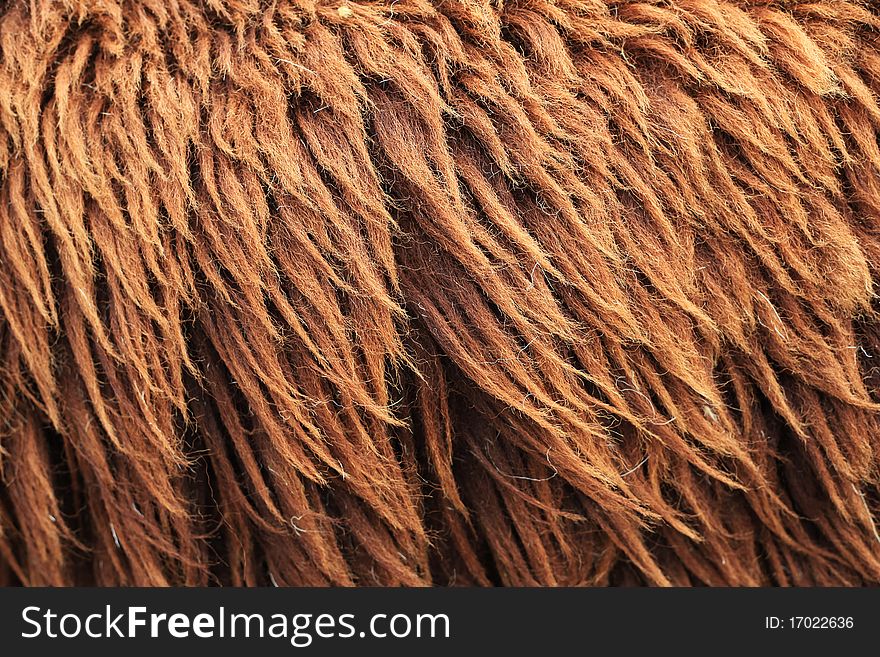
x,y
459,292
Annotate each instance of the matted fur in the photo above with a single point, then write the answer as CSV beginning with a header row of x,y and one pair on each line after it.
x,y
526,292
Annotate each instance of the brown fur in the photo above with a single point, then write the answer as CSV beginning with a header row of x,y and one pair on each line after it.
x,y
534,292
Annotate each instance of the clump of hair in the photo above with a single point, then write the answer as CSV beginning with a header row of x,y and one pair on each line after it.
x,y
473,292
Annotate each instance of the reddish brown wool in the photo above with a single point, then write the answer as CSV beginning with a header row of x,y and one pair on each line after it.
x,y
527,292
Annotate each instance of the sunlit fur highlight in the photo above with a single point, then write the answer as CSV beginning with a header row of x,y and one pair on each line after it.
x,y
533,292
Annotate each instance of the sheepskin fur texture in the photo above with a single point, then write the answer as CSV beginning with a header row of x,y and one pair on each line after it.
x,y
450,292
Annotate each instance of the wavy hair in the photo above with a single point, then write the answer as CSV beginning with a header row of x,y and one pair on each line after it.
x,y
459,292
